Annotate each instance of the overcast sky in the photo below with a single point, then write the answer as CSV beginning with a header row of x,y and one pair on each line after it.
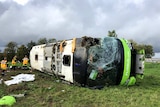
x,y
25,20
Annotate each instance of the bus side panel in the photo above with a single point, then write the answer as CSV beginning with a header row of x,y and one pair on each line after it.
x,y
67,62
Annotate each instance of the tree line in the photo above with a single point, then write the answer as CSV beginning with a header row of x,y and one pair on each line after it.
x,y
12,48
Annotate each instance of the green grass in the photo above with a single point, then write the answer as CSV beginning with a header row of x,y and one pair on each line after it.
x,y
46,91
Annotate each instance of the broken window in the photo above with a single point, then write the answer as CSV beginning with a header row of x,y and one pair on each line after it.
x,y
106,59
66,60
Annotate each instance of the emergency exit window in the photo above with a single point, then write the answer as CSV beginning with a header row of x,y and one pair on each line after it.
x,y
36,57
66,60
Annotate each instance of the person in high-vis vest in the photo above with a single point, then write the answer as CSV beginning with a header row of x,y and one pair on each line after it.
x,y
25,63
25,60
14,61
3,66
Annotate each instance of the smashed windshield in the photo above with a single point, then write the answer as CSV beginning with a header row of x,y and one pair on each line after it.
x,y
105,61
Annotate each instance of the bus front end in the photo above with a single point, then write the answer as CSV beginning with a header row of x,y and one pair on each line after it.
x,y
114,62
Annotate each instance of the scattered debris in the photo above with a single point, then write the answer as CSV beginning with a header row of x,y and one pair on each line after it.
x,y
19,78
63,90
58,81
18,95
49,88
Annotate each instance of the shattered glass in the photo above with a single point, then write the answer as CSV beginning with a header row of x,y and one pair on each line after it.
x,y
105,58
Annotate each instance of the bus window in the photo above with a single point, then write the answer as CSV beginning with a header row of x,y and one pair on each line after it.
x,y
36,57
66,60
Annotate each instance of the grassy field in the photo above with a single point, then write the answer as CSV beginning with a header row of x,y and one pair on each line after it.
x,y
47,91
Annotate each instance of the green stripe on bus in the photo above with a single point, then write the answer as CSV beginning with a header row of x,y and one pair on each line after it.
x,y
127,62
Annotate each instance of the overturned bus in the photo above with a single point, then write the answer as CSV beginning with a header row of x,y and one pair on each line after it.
x,y
91,62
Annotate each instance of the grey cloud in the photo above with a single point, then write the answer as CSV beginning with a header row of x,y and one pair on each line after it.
x,y
155,40
64,19
4,6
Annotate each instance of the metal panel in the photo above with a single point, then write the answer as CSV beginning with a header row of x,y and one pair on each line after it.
x,y
48,58
67,71
39,52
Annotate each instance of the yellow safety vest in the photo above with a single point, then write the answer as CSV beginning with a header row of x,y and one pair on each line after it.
x,y
25,61
4,64
14,61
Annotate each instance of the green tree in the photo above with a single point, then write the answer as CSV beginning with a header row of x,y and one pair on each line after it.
x,y
42,41
30,45
148,48
134,44
10,50
1,56
149,51
52,40
112,33
21,52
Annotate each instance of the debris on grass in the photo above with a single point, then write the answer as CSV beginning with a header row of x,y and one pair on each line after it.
x,y
18,95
